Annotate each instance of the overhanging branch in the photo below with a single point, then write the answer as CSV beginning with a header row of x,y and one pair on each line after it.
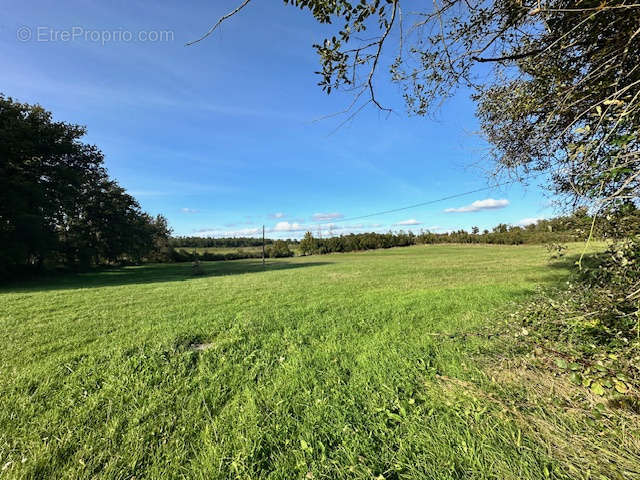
x,y
516,56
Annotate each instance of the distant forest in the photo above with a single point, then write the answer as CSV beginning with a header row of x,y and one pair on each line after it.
x,y
208,242
574,227
561,229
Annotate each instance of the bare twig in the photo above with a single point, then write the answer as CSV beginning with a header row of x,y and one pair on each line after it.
x,y
220,20
377,57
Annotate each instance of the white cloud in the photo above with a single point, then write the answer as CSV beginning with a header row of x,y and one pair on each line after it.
x,y
293,229
486,204
529,221
322,217
216,232
276,215
411,221
340,229
189,210
288,227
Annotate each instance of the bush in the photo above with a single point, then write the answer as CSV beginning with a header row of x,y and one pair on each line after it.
x,y
592,329
181,255
280,249
615,277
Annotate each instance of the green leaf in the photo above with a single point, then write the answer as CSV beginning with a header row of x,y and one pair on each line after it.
x,y
575,378
597,388
620,386
562,363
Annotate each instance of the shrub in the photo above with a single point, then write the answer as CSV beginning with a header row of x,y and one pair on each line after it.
x,y
280,249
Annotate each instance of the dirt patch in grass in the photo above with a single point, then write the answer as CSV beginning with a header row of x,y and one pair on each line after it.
x,y
201,347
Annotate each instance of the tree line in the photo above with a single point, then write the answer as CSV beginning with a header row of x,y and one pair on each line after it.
x,y
58,205
273,249
226,242
569,228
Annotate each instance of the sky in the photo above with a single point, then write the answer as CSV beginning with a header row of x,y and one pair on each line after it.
x,y
233,132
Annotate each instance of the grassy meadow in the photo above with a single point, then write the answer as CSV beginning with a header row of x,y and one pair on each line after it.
x,y
322,367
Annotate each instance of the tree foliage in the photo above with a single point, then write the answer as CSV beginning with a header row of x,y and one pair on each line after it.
x,y
308,244
57,202
225,242
279,249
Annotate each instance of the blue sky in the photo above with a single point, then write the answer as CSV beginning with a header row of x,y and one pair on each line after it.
x,y
223,137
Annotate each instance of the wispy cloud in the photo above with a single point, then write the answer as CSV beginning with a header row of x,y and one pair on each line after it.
x,y
486,204
172,188
276,215
529,221
217,232
288,229
438,229
147,193
189,210
97,94
323,217
411,221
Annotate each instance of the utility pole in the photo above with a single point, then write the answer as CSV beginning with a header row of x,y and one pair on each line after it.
x,y
263,245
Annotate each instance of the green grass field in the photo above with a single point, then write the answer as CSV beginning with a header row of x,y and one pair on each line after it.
x,y
318,367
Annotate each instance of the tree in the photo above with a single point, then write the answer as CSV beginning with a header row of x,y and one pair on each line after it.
x,y
501,228
43,167
57,202
160,233
279,249
557,82
308,244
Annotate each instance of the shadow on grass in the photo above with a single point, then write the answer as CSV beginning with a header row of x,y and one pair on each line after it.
x,y
564,269
569,262
151,273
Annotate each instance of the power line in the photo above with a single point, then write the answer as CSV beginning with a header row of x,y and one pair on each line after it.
x,y
429,202
416,205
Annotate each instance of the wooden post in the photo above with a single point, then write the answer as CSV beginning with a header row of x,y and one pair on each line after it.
x,y
262,245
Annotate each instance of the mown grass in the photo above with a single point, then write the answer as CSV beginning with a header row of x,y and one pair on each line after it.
x,y
313,367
